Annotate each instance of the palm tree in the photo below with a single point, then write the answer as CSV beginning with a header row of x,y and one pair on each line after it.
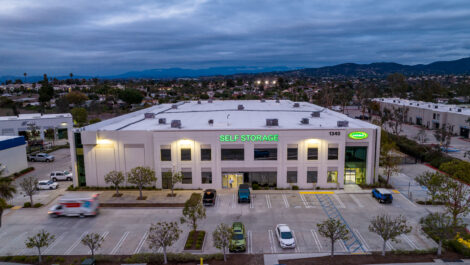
x,y
25,74
71,75
7,190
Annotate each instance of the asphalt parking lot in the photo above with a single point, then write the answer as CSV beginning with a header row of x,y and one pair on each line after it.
x,y
125,230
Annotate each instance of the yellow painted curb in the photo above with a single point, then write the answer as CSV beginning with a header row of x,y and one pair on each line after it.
x,y
359,253
396,191
16,207
316,192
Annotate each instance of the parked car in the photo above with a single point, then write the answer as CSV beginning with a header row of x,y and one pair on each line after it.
x,y
285,236
238,241
382,195
61,175
209,197
76,204
41,157
47,185
244,193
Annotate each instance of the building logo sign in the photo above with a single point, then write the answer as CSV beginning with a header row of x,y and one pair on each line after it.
x,y
249,138
358,135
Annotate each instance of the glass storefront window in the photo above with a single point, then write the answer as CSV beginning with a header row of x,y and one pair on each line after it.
x,y
355,164
332,176
312,153
265,154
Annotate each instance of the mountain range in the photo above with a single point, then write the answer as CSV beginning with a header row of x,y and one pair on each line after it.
x,y
460,66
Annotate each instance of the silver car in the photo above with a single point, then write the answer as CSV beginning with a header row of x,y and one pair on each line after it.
x,y
41,157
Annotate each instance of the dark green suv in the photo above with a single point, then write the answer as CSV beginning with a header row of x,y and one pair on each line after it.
x,y
238,241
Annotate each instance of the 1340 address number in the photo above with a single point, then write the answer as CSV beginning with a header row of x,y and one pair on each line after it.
x,y
335,133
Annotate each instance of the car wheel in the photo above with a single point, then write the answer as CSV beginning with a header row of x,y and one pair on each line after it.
x,y
81,215
33,160
51,188
54,179
69,179
55,215
47,160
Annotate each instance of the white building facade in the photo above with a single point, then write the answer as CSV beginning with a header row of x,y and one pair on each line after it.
x,y
222,144
12,154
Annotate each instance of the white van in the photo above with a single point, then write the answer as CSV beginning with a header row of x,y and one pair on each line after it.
x,y
76,204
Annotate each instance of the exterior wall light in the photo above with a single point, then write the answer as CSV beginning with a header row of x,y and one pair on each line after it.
x,y
103,141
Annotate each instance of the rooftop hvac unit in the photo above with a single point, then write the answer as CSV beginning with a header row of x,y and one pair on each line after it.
x,y
174,106
315,114
240,107
211,122
198,102
176,124
263,100
450,109
296,105
436,106
304,121
417,104
459,110
393,101
272,122
209,101
383,99
277,100
429,106
149,115
343,123
411,103
162,121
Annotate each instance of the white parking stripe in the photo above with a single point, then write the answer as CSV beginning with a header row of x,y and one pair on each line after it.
x,y
104,235
315,238
252,201
361,238
286,203
234,205
343,246
409,241
58,239
354,198
268,201
389,245
141,243
302,197
272,241
75,244
216,204
119,243
297,247
340,203
250,242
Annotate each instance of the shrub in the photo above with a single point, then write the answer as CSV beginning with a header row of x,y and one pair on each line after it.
x,y
255,186
59,259
37,205
415,251
295,187
27,205
457,247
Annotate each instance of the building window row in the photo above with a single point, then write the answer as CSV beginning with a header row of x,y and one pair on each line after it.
x,y
312,176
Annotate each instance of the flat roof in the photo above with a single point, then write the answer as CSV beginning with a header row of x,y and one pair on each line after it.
x,y
35,116
427,105
226,116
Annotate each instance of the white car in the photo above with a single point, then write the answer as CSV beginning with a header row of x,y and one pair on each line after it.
x,y
285,236
47,185
61,175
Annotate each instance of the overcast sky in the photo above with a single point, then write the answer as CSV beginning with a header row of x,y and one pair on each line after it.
x,y
110,37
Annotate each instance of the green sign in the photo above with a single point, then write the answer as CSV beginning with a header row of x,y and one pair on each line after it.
x,y
249,138
358,135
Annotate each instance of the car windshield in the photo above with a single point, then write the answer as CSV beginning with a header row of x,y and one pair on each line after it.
x,y
237,236
286,235
66,172
50,182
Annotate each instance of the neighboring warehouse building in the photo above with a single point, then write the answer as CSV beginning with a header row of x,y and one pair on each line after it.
x,y
12,154
18,125
218,143
432,115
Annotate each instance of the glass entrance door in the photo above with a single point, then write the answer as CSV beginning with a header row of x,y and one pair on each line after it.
x,y
349,176
232,180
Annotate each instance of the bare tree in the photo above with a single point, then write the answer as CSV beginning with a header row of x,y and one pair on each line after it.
x,y
93,241
29,186
221,237
398,117
389,228
116,178
141,176
444,136
193,211
174,177
40,240
438,226
388,161
334,230
163,235
456,198
421,136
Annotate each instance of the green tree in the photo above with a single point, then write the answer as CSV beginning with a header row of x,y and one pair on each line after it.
x,y
439,226
76,97
456,198
116,178
388,161
174,178
163,235
7,190
444,136
80,115
62,105
8,103
141,176
334,230
193,211
457,169
131,96
29,185
389,228
41,240
93,241
46,92
433,182
221,237
421,136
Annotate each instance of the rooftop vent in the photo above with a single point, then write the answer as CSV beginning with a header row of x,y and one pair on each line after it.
x,y
272,122
198,102
450,109
209,101
174,106
176,124
343,123
436,106
411,103
459,110
162,121
240,107
277,100
263,100
296,105
304,121
383,99
315,114
417,104
393,101
211,122
429,106
149,115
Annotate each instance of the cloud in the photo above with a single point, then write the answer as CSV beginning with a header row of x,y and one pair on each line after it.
x,y
115,36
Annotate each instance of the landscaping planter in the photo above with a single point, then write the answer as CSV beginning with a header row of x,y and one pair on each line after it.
x,y
195,240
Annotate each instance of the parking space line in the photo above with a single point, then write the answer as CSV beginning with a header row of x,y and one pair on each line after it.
x,y
141,243
362,239
216,204
252,205
58,239
389,245
409,241
272,241
234,205
341,204
119,243
317,192
354,198
268,201
315,238
406,199
343,246
297,247
286,203
250,243
302,197
75,244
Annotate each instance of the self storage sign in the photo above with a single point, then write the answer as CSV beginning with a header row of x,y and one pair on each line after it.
x,y
249,138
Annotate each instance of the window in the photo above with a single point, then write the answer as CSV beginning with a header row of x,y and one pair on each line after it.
x,y
312,176
291,176
265,154
206,154
185,154
333,153
292,153
332,176
187,177
165,154
233,154
206,177
312,153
